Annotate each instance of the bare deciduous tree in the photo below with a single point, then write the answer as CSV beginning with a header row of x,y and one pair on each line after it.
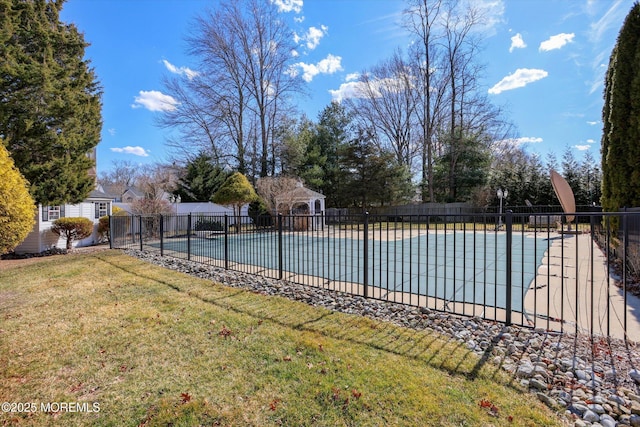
x,y
421,17
270,188
122,175
386,106
242,86
452,106
157,181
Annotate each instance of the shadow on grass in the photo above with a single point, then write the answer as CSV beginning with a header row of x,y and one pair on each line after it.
x,y
438,351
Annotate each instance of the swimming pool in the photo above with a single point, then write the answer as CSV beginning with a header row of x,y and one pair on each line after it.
x,y
459,266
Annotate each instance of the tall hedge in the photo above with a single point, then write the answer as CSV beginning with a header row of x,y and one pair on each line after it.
x,y
17,209
621,119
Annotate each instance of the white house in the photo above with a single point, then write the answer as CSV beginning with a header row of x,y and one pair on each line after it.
x,y
42,238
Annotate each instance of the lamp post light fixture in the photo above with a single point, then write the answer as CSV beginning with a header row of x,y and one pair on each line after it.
x,y
501,195
173,199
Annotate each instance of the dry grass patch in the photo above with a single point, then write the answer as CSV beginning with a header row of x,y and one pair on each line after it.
x,y
155,347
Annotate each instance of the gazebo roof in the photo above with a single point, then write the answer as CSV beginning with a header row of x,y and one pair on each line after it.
x,y
300,194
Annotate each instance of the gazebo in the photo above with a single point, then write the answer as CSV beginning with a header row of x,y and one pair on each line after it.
x,y
303,201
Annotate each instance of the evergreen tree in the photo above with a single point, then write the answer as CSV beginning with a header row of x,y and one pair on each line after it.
x,y
201,179
334,130
523,175
370,177
295,136
50,111
235,192
313,166
463,168
571,173
590,181
541,189
509,172
621,117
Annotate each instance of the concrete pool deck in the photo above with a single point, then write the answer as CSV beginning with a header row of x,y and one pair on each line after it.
x,y
573,284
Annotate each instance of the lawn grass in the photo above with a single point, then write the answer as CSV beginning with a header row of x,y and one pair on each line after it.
x,y
148,346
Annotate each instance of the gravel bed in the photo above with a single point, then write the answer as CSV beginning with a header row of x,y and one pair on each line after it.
x,y
588,381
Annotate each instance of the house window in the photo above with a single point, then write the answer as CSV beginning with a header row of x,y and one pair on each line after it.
x,y
51,213
102,209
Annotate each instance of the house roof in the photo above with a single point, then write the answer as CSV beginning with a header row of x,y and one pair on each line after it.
x,y
97,194
135,191
109,190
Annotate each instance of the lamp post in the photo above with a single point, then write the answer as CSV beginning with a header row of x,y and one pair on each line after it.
x,y
501,195
175,200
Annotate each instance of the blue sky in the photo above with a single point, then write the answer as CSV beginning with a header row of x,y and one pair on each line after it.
x,y
545,62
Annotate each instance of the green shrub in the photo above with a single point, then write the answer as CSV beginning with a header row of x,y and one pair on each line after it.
x,y
260,214
72,229
103,228
103,223
17,209
206,224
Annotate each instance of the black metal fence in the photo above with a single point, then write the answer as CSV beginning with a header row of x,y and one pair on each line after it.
x,y
530,270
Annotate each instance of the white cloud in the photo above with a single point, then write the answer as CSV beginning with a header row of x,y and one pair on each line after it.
x,y
593,123
288,5
527,140
314,35
610,20
329,65
351,89
136,151
153,100
519,141
506,144
111,131
591,141
492,13
582,147
299,19
520,78
556,42
352,76
517,42
180,71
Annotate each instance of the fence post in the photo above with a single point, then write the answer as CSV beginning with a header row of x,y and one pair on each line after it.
x,y
161,235
140,231
366,255
189,237
226,241
509,249
280,253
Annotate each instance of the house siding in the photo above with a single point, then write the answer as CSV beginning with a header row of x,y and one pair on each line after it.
x,y
41,238
73,211
31,243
